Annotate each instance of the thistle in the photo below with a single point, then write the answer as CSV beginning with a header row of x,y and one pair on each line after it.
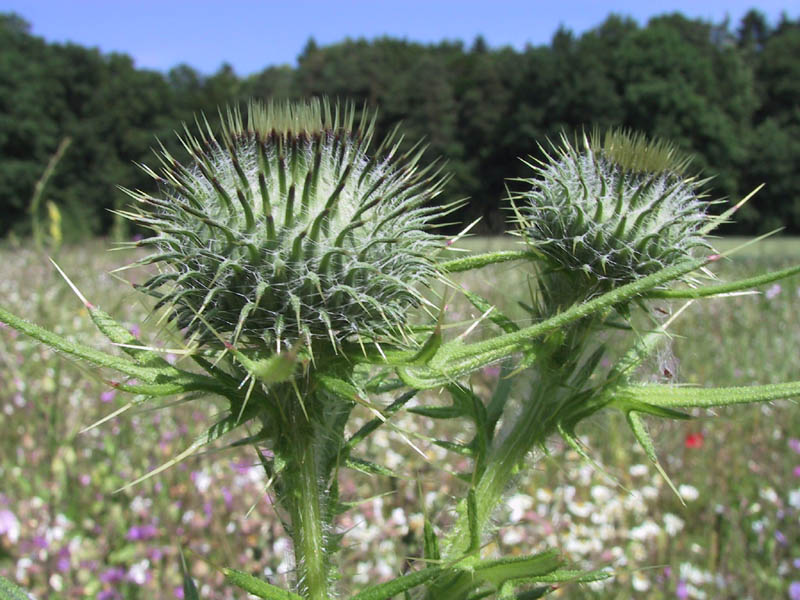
x,y
283,229
284,238
617,211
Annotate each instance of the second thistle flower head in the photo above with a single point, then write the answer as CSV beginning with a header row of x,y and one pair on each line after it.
x,y
617,209
283,228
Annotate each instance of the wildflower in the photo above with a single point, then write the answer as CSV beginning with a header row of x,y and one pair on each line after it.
x,y
113,575
794,590
672,524
688,492
139,573
794,444
681,590
108,395
796,471
773,291
9,525
640,582
694,440
142,532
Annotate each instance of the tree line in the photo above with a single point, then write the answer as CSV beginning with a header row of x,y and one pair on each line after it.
x,y
728,95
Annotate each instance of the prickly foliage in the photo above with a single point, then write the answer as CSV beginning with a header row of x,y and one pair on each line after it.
x,y
285,228
617,210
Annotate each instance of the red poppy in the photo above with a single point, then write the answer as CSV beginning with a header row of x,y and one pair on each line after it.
x,y
694,440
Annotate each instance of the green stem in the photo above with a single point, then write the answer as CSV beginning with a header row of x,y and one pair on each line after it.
x,y
307,524
531,428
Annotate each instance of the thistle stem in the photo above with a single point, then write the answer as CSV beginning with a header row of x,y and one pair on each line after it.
x,y
531,428
307,527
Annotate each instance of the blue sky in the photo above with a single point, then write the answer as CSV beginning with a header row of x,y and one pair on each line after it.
x,y
251,35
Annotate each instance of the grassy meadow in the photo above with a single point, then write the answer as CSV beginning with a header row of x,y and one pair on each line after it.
x,y
65,533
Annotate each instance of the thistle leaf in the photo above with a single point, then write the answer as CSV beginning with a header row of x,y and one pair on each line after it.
x,y
670,397
78,350
384,591
456,359
646,442
479,261
214,432
495,316
189,588
725,288
369,468
499,571
258,587
10,591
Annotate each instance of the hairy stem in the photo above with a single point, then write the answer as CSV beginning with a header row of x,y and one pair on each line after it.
x,y
305,499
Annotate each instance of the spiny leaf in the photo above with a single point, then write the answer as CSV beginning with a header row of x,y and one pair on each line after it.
x,y
369,468
384,591
375,423
10,591
429,348
118,334
77,350
454,447
495,316
472,519
726,288
214,432
667,396
499,571
478,261
646,442
456,359
189,588
438,412
258,587
572,576
430,541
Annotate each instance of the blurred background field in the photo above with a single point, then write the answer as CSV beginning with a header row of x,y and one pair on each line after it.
x,y
64,533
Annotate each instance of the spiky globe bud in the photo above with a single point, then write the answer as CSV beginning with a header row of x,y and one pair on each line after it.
x,y
284,230
617,210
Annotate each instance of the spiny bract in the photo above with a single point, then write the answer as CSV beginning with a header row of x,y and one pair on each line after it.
x,y
618,210
283,229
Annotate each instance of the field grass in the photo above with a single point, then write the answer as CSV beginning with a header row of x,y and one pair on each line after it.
x,y
65,533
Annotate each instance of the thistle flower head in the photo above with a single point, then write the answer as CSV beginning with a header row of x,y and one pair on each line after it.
x,y
617,209
283,228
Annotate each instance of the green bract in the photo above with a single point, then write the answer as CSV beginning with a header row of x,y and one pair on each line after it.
x,y
284,228
617,210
